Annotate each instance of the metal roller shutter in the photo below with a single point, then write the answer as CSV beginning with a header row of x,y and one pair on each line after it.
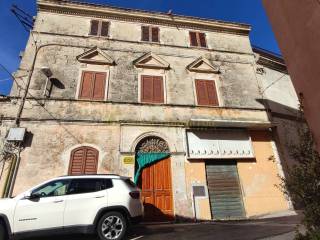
x,y
224,191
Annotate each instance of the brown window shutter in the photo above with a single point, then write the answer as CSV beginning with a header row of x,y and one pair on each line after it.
x,y
147,89
155,34
193,38
201,91
92,156
99,86
104,29
94,27
77,161
83,160
86,86
212,93
202,38
145,33
158,90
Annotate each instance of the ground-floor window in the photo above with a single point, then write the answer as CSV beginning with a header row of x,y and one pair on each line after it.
x,y
83,160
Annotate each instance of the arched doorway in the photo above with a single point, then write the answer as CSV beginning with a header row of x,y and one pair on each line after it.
x,y
83,160
155,178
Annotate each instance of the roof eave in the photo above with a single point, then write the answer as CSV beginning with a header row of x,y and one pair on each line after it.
x,y
92,10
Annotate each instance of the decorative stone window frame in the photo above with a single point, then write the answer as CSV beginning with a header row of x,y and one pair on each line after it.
x,y
152,70
212,74
156,73
92,65
209,78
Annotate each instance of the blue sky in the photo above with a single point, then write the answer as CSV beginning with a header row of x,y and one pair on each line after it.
x,y
13,38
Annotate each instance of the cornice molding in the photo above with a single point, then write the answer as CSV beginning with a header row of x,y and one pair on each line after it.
x,y
270,60
99,11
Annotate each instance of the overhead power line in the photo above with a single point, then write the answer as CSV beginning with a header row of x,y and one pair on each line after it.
x,y
25,19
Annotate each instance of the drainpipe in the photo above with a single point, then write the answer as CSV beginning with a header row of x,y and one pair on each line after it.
x,y
7,185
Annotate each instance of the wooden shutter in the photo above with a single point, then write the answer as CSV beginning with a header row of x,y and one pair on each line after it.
x,y
212,93
147,89
91,161
99,86
201,92
77,161
83,160
155,34
93,85
104,29
193,38
158,89
86,85
202,38
145,33
94,27
206,93
152,89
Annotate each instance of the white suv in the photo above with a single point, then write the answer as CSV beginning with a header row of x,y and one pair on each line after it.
x,y
102,204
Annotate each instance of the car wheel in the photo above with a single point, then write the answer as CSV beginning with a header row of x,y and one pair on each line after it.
x,y
112,226
3,234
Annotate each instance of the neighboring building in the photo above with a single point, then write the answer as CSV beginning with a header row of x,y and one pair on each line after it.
x,y
174,98
280,98
297,28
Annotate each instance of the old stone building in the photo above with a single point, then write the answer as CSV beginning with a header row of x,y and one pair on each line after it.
x,y
172,101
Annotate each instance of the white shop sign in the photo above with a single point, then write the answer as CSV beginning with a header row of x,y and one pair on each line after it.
x,y
231,143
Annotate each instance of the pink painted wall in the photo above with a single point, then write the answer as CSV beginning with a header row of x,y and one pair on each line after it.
x,y
296,24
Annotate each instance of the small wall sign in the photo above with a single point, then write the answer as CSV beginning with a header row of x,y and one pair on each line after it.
x,y
128,159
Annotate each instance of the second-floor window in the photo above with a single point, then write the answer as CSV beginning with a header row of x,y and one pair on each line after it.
x,y
150,34
198,39
206,93
93,86
99,28
152,89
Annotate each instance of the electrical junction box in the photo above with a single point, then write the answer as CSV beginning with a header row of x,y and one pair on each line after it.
x,y
199,191
16,134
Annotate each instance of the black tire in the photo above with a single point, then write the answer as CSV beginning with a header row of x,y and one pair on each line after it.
x,y
3,232
112,226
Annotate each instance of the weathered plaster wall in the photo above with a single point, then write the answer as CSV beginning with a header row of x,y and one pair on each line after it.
x,y
102,111
281,98
49,154
277,87
231,53
196,175
260,178
131,31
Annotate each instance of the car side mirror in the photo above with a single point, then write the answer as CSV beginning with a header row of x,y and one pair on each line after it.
x,y
32,196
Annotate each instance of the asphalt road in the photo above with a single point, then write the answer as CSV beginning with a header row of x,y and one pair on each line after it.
x,y
277,228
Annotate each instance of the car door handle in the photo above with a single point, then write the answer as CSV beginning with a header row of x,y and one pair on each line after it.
x,y
58,201
101,196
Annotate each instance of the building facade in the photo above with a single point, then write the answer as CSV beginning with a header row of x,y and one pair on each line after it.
x,y
173,102
296,26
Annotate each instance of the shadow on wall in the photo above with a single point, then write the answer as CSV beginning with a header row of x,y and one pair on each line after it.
x,y
281,111
55,83
287,121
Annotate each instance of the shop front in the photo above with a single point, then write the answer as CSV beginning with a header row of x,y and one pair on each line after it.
x,y
234,171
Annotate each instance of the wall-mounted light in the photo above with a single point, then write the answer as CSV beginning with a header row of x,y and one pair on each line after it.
x,y
47,72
